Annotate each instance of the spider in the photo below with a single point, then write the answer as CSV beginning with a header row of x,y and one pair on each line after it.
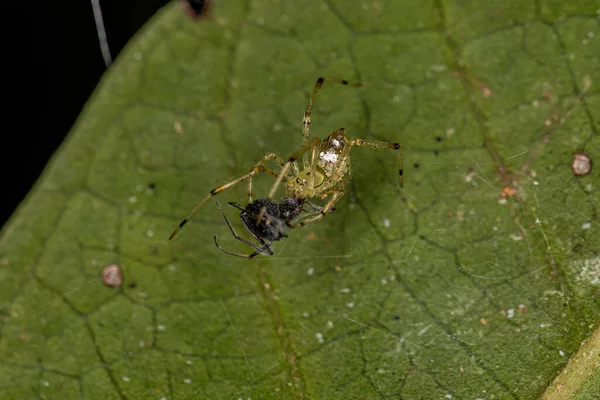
x,y
323,175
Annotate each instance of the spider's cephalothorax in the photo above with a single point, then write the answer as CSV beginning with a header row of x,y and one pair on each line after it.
x,y
326,167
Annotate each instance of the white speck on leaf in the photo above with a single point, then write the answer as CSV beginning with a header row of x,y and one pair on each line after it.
x,y
160,327
384,281
187,380
305,314
386,223
345,290
330,324
510,313
46,383
172,268
586,225
132,199
562,353
350,305
310,271
448,396
150,234
189,362
319,337
126,379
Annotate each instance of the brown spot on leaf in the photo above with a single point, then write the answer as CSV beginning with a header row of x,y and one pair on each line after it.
x,y
581,164
112,276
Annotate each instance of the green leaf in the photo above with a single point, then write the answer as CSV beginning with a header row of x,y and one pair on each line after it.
x,y
443,289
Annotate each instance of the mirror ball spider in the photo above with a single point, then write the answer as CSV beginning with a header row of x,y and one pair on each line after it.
x,y
323,175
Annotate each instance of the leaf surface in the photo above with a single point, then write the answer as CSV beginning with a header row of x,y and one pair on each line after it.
x,y
445,289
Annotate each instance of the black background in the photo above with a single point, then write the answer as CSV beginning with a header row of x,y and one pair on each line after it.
x,y
52,63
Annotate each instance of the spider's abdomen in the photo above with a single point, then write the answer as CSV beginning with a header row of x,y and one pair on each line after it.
x,y
333,156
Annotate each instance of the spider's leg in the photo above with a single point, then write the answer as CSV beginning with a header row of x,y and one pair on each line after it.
x,y
337,194
284,171
257,168
383,145
313,170
261,168
311,103
264,249
314,206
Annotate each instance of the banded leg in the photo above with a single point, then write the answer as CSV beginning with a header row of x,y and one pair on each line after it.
x,y
257,168
307,113
260,166
383,145
264,249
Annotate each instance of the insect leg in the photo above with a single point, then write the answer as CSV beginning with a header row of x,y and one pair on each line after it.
x,y
264,249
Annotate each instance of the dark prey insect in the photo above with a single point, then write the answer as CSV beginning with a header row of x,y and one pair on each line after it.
x,y
323,175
